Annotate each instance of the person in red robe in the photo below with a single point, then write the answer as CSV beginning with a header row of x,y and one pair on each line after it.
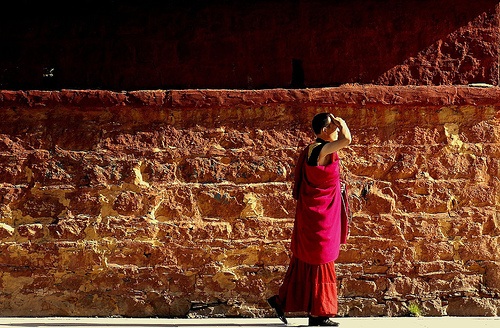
x,y
320,227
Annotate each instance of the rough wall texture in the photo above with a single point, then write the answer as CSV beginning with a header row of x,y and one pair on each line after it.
x,y
174,203
247,44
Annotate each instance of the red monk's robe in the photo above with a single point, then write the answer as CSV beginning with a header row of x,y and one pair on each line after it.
x,y
320,227
321,223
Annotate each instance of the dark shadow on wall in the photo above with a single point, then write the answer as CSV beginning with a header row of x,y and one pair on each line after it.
x,y
236,44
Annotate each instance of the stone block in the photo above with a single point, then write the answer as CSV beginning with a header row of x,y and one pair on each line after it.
x,y
404,288
377,226
485,248
6,231
470,307
492,276
31,231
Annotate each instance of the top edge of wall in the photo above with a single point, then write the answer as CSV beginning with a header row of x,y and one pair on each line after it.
x,y
350,95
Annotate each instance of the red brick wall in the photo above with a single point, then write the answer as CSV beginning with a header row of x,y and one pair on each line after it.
x,y
171,203
116,45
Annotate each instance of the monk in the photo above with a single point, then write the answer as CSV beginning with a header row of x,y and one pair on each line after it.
x,y
320,227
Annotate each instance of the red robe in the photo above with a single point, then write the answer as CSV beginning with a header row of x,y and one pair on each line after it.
x,y
321,223
320,227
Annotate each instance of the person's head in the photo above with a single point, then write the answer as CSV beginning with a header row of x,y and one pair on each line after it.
x,y
324,127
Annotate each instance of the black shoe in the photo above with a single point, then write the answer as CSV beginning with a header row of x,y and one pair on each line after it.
x,y
322,321
279,311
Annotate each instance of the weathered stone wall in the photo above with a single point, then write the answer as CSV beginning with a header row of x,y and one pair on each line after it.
x,y
173,203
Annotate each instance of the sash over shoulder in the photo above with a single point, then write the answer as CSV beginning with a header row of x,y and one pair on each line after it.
x,y
321,222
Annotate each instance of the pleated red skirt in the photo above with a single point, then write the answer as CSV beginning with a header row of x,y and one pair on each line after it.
x,y
309,288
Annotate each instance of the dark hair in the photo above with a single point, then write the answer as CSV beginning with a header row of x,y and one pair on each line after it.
x,y
320,121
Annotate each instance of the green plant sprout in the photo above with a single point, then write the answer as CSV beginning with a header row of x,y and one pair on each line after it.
x,y
414,310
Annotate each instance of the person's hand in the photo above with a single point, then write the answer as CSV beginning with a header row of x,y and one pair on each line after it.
x,y
339,122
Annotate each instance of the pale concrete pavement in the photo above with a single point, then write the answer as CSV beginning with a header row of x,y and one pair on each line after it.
x,y
377,322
